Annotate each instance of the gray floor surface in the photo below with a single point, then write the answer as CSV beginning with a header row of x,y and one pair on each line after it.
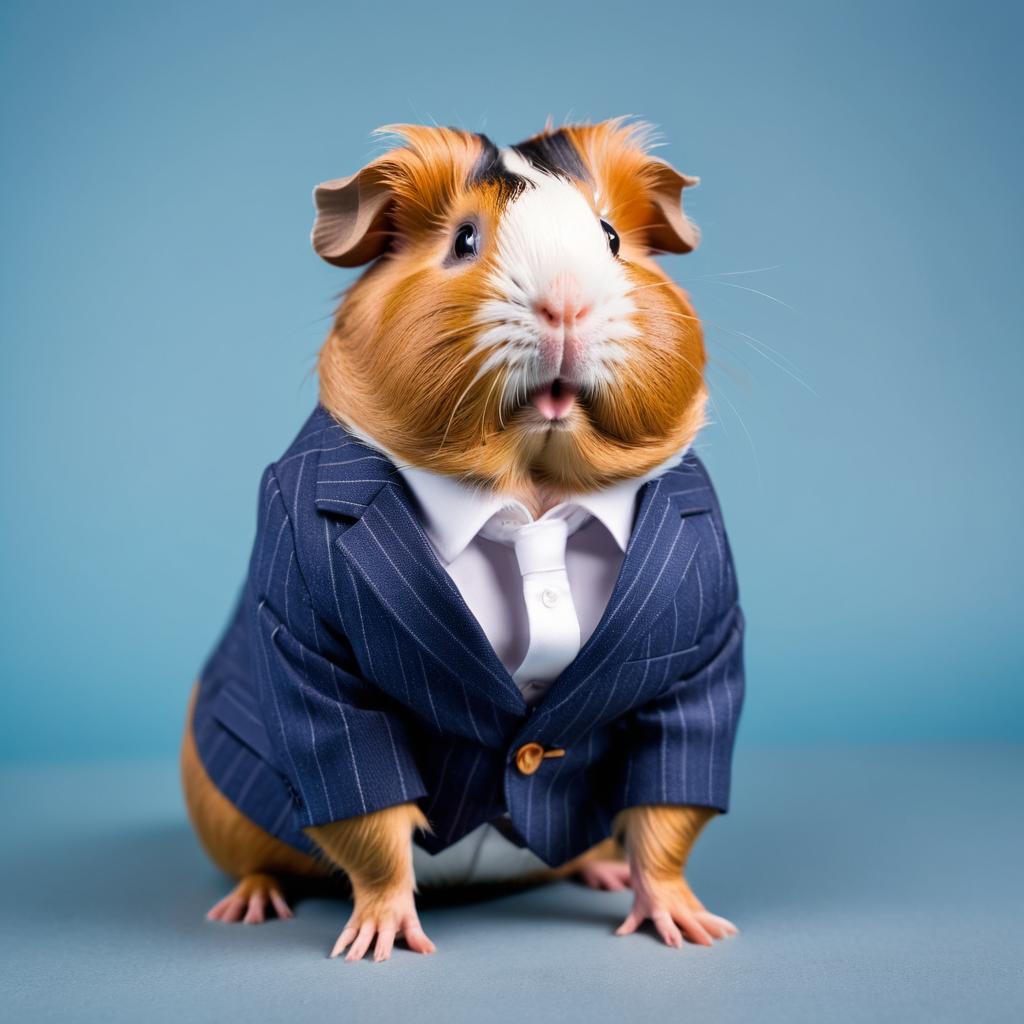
x,y
871,884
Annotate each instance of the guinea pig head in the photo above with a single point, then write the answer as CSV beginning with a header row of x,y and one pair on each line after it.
x,y
512,328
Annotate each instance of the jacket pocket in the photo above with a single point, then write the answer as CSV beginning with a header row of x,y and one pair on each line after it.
x,y
659,660
235,709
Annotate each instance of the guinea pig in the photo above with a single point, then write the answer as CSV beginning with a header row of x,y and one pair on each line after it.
x,y
491,628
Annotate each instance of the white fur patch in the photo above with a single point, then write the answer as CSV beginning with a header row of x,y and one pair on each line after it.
x,y
549,230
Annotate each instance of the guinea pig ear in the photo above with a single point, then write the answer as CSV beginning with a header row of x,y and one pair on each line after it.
x,y
670,230
352,223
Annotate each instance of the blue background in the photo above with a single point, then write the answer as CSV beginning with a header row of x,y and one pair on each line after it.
x,y
161,305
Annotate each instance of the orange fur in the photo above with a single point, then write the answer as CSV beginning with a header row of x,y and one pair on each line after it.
x,y
375,850
659,837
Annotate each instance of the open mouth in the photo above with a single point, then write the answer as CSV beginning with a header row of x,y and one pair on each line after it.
x,y
555,400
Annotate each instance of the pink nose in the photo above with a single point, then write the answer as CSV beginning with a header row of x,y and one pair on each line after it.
x,y
562,304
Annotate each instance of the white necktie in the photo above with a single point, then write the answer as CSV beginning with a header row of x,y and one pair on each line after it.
x,y
554,627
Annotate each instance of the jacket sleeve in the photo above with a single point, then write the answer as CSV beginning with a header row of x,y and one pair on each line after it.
x,y
343,753
679,748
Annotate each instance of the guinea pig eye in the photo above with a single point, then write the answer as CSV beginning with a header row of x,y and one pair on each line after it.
x,y
613,237
467,242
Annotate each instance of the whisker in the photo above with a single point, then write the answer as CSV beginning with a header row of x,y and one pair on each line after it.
x,y
755,343
513,399
451,418
735,273
503,405
753,447
753,291
715,362
779,365
655,284
487,402
681,316
719,419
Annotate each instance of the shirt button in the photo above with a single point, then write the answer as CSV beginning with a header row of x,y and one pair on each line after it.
x,y
549,597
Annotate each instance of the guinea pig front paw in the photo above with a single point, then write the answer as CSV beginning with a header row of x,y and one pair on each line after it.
x,y
384,917
675,912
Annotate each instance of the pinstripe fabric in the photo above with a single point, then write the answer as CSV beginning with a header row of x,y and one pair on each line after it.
x,y
353,676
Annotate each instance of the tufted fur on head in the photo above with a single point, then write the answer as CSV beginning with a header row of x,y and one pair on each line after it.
x,y
555,354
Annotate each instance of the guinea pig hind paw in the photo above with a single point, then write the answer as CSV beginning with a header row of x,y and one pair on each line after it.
x,y
610,875
250,900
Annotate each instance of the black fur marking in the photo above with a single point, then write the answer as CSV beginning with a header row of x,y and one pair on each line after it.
x,y
554,154
490,169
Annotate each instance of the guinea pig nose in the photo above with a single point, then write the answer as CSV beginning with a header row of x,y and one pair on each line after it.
x,y
555,315
549,313
562,304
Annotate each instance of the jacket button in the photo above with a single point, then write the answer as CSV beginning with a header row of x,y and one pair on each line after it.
x,y
530,755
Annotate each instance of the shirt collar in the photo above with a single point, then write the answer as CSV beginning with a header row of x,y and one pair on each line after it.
x,y
454,512
615,506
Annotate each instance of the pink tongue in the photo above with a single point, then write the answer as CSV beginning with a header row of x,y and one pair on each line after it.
x,y
551,406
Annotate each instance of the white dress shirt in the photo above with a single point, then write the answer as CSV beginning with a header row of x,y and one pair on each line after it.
x,y
534,625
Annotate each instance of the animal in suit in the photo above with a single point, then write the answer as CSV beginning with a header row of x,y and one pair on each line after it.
x,y
513,334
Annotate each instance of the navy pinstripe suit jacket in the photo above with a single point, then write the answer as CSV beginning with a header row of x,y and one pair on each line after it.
x,y
353,676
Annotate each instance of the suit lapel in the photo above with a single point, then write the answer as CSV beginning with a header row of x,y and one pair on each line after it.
x,y
392,555
659,557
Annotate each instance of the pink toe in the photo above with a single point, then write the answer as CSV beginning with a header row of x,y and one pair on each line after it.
x,y
280,905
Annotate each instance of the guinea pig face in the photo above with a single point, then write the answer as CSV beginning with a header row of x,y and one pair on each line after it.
x,y
513,329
